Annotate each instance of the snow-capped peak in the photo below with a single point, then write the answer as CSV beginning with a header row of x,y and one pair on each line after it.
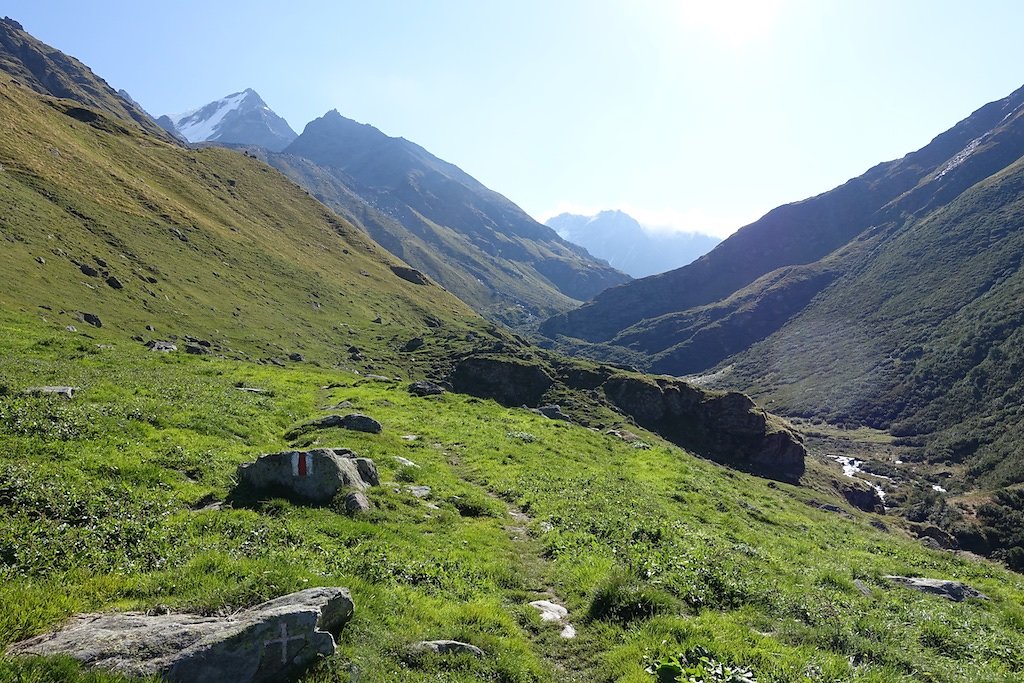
x,y
201,124
240,118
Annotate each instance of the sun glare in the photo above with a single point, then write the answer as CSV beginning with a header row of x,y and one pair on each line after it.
x,y
735,23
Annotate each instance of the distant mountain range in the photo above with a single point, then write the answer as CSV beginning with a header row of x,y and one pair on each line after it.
x,y
623,242
241,117
892,301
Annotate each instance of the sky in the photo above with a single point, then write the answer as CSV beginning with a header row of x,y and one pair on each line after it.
x,y
687,114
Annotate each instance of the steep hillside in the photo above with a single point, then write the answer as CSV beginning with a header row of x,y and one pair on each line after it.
x,y
620,240
51,72
140,232
898,307
475,242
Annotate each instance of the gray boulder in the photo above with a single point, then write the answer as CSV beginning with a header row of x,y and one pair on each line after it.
x,y
951,590
162,346
356,422
446,647
316,475
425,388
553,412
274,641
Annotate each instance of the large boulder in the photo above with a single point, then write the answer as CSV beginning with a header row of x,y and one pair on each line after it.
x,y
508,381
273,641
726,427
315,475
410,275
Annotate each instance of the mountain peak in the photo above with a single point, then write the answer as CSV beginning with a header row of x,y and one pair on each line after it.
x,y
242,117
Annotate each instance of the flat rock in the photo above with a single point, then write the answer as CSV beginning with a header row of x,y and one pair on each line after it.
x,y
273,641
553,412
425,388
951,590
404,462
354,421
162,346
418,491
446,647
64,392
316,475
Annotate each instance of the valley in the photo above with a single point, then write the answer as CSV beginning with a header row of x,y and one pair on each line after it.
x,y
362,316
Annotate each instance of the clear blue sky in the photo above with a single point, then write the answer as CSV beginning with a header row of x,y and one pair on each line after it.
x,y
700,115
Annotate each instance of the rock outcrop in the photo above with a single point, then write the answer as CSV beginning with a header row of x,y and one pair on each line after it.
x,y
726,427
273,641
315,476
508,381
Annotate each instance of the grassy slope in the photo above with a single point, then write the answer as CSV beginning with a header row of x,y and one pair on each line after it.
x,y
653,550
265,269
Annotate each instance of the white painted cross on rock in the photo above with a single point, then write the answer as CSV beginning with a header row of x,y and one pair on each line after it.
x,y
284,639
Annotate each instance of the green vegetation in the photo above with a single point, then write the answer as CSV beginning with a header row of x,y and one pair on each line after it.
x,y
123,497
105,501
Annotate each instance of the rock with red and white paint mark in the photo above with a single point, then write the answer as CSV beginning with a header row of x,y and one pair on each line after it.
x,y
316,476
273,641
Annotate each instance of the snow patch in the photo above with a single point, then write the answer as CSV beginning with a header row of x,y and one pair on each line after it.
x,y
961,157
200,125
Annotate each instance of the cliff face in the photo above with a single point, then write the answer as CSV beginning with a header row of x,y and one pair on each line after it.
x,y
725,427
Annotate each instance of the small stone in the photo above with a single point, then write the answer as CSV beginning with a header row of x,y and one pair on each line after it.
x,y
404,462
418,491
71,328
40,260
413,344
162,346
150,328
92,319
356,502
195,349
296,357
88,270
446,647
553,412
862,587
